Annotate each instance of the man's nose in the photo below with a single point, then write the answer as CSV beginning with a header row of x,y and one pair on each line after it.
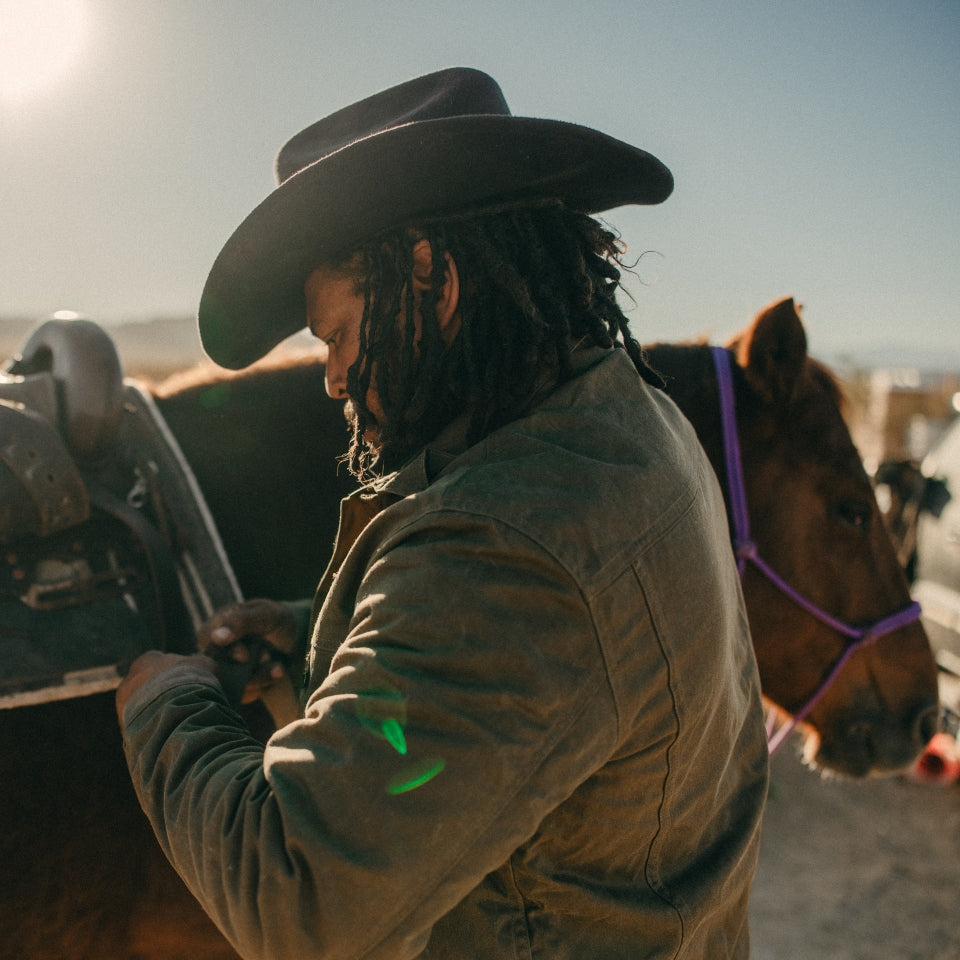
x,y
336,385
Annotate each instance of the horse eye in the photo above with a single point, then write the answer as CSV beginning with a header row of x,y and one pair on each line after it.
x,y
854,513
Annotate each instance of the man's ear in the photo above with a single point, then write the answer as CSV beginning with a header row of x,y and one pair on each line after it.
x,y
448,316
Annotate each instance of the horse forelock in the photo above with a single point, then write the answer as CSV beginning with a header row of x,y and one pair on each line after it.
x,y
816,419
825,379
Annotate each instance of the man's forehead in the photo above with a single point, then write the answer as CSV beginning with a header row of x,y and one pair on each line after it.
x,y
339,274
331,296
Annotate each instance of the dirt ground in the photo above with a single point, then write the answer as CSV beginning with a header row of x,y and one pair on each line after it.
x,y
856,871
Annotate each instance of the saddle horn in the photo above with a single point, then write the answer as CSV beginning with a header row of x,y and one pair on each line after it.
x,y
85,367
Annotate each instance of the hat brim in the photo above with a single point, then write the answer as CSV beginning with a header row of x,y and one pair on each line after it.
x,y
253,297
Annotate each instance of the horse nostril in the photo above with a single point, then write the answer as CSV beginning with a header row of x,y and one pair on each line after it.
x,y
861,732
926,724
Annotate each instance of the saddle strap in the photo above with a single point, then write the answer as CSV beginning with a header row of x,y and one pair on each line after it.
x,y
175,625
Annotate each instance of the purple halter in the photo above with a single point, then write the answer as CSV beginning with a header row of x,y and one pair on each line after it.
x,y
746,552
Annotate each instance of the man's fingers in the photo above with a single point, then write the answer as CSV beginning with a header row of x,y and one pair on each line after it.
x,y
251,643
266,619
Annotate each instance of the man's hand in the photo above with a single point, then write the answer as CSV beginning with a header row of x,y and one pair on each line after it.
x,y
251,641
245,646
147,665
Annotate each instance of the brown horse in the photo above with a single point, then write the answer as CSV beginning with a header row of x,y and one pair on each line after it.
x,y
80,874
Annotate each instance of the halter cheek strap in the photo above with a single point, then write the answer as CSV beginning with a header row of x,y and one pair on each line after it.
x,y
746,552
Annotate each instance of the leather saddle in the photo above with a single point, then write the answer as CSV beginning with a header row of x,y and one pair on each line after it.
x,y
107,547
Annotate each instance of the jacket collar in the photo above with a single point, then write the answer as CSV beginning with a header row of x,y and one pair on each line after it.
x,y
423,469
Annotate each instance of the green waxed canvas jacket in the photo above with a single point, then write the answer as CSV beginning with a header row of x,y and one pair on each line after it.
x,y
532,723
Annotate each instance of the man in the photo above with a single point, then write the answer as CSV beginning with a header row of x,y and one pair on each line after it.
x,y
532,721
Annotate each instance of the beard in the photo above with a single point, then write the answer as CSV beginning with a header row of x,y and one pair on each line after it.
x,y
371,434
350,413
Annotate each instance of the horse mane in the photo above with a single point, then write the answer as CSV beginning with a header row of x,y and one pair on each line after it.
x,y
207,374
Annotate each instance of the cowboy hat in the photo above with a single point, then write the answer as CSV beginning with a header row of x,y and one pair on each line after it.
x,y
440,144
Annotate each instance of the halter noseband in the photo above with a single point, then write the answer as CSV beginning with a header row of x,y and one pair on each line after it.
x,y
746,552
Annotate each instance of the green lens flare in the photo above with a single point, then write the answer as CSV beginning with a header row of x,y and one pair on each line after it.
x,y
216,396
421,774
384,713
393,732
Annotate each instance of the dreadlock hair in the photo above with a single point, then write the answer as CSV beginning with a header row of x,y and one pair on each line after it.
x,y
535,281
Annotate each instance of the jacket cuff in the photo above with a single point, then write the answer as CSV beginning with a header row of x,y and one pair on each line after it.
x,y
169,679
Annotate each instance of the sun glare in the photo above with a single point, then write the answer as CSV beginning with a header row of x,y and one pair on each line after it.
x,y
40,40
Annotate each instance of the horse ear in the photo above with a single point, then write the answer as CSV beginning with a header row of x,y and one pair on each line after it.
x,y
773,352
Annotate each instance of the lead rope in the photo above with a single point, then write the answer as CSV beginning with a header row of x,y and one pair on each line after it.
x,y
745,551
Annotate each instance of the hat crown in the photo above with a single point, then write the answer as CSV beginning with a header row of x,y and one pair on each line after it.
x,y
459,91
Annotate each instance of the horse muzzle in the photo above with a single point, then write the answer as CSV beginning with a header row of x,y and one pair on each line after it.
x,y
872,741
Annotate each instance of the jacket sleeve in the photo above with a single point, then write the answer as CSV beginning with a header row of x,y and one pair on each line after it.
x,y
468,700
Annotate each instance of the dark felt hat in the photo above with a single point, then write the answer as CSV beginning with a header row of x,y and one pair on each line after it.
x,y
440,144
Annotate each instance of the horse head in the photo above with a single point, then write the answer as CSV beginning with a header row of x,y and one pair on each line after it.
x,y
818,525
815,522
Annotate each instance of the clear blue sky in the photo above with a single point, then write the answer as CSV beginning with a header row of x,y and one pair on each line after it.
x,y
815,146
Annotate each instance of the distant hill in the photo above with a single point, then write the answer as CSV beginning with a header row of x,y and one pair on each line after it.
x,y
12,334
151,350
945,360
157,348
154,349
